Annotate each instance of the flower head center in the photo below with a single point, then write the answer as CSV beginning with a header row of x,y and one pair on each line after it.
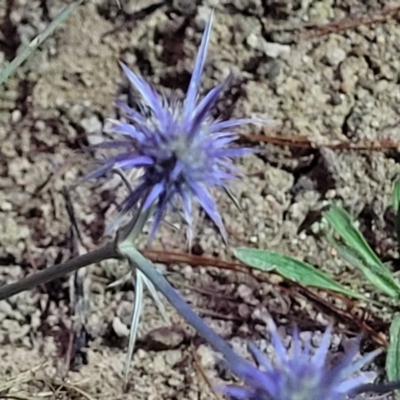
x,y
181,149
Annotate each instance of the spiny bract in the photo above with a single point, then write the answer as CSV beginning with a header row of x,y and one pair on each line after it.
x,y
180,148
300,375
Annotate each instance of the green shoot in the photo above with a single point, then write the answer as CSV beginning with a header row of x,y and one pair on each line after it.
x,y
393,354
357,251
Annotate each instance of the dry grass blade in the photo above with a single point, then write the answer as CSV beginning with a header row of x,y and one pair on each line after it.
x,y
17,388
79,289
18,380
35,43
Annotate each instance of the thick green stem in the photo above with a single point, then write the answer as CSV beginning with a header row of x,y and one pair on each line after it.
x,y
49,274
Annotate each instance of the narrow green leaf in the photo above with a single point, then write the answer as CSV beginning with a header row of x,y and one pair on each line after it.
x,y
341,221
393,354
383,283
292,269
396,196
35,43
358,252
396,206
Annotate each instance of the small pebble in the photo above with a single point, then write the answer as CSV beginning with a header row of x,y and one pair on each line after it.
x,y
207,356
120,329
164,338
335,56
91,124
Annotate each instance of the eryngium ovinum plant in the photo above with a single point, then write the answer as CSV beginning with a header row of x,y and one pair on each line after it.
x,y
182,153
300,373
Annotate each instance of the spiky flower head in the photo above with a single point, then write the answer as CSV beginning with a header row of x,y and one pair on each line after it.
x,y
300,374
180,148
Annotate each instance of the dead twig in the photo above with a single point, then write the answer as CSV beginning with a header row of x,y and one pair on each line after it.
x,y
293,289
79,285
352,22
304,142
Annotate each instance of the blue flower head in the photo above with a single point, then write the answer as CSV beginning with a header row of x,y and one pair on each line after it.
x,y
180,148
301,374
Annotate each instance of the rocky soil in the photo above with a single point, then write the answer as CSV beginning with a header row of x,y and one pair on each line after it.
x,y
321,83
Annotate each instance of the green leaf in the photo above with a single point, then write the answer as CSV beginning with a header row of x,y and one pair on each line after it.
x,y
35,43
342,223
393,354
396,206
381,282
396,196
292,269
358,252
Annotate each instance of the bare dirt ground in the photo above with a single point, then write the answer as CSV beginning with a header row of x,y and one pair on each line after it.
x,y
330,85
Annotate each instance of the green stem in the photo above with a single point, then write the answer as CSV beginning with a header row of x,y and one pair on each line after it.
x,y
49,274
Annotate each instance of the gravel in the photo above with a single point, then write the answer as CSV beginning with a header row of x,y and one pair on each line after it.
x,y
341,86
